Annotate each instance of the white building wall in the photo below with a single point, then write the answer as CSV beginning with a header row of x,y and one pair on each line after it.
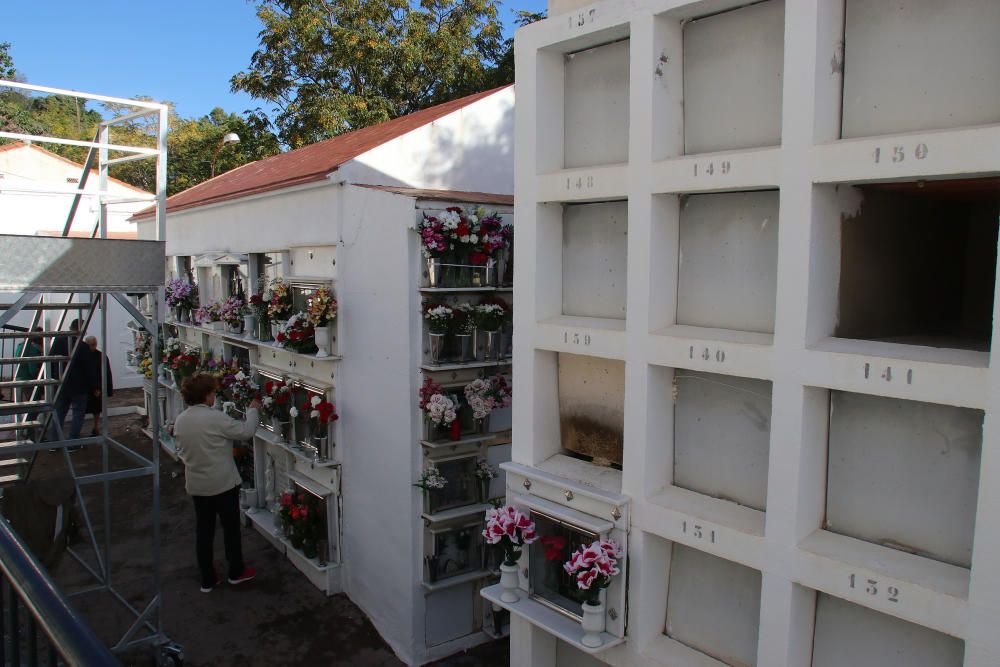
x,y
26,168
470,149
29,213
815,572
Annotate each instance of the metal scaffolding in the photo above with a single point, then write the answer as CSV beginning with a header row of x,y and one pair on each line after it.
x,y
50,273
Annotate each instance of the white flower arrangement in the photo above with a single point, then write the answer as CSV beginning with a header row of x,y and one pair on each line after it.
x,y
476,395
293,411
431,479
441,410
484,470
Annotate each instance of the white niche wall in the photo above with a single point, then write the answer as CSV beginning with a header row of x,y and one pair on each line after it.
x,y
904,474
849,635
713,605
919,65
594,259
595,102
722,428
728,260
733,77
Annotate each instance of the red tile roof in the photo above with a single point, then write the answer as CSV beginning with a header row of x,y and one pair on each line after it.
x,y
307,164
446,195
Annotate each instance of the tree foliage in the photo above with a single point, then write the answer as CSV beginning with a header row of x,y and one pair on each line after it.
x,y
332,66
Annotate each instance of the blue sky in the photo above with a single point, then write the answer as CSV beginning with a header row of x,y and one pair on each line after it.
x,y
182,51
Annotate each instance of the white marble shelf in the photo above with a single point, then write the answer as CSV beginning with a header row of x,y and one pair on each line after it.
x,y
459,365
250,340
467,440
457,580
456,513
553,622
266,521
298,452
457,290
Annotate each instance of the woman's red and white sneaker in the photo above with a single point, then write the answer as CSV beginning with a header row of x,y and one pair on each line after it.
x,y
248,574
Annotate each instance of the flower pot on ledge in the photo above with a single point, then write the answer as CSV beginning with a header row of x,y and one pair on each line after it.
x,y
593,624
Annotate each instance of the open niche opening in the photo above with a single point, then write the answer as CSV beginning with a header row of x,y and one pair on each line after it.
x,y
918,262
592,408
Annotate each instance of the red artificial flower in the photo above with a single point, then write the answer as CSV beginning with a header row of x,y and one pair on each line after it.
x,y
286,499
478,258
281,337
462,229
554,546
268,387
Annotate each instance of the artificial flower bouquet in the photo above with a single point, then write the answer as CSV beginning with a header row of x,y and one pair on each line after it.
x,y
302,521
593,567
476,396
298,335
431,479
279,300
484,471
491,316
179,293
240,389
276,400
231,311
509,529
464,319
438,318
437,407
322,307
208,314
322,413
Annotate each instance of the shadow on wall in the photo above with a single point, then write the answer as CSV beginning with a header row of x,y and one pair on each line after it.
x,y
470,154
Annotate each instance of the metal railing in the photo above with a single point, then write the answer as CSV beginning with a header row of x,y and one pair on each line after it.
x,y
65,639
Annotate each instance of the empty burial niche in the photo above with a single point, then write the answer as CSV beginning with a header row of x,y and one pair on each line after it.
x,y
918,261
849,635
734,56
904,474
713,606
902,71
596,106
594,266
592,408
728,260
722,426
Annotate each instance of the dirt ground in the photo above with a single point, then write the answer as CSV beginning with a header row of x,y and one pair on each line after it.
x,y
278,619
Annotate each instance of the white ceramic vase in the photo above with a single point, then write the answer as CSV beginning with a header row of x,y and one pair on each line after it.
x,y
324,339
509,582
593,624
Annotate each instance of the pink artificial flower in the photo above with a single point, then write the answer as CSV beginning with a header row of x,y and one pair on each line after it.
x,y
585,579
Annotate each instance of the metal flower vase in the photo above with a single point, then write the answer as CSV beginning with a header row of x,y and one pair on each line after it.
x,y
466,352
264,331
492,346
434,277
437,344
322,445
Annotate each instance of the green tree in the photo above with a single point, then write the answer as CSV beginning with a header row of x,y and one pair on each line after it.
x,y
332,66
7,70
191,144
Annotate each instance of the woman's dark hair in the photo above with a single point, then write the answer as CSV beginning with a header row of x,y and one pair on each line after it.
x,y
198,387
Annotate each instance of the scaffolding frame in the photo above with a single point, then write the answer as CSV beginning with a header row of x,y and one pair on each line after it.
x,y
146,628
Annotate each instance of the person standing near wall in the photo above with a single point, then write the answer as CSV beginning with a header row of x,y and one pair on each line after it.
x,y
27,370
95,402
78,383
204,444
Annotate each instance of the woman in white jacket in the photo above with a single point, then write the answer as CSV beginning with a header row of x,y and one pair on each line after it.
x,y
204,439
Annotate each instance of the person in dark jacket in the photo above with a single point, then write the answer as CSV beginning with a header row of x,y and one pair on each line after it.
x,y
60,348
78,383
95,402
